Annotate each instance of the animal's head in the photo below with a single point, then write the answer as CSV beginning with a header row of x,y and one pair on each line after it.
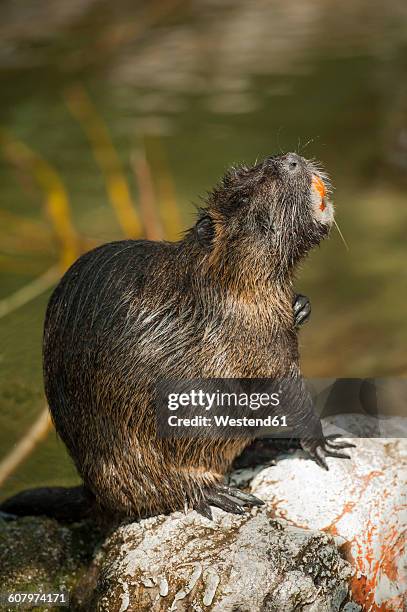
x,y
274,212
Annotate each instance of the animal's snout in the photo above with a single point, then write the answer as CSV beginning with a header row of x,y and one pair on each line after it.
x,y
292,162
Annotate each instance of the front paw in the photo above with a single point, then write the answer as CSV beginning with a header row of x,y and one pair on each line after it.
x,y
302,309
226,498
320,448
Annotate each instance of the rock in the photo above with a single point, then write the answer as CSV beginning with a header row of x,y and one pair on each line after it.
x,y
39,554
235,563
320,535
361,502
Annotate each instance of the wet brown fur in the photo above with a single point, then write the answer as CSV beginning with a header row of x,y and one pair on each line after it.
x,y
130,313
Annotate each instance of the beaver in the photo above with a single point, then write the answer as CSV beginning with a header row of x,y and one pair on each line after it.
x,y
219,303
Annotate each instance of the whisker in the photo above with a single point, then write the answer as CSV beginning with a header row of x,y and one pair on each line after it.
x,y
278,140
341,235
310,141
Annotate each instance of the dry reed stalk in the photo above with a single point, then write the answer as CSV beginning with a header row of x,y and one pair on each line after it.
x,y
24,447
105,154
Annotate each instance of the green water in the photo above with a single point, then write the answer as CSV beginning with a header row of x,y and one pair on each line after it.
x,y
207,84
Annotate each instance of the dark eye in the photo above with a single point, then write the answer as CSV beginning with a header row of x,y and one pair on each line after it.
x,y
293,165
205,231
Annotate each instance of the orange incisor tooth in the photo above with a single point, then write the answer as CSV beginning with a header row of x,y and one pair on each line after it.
x,y
320,187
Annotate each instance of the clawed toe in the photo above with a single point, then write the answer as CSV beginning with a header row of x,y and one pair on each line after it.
x,y
319,457
332,453
332,444
319,449
247,498
204,509
302,309
225,502
226,498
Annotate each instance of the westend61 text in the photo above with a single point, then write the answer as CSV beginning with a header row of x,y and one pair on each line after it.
x,y
226,421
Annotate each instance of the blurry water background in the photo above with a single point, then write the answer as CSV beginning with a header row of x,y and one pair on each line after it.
x,y
116,117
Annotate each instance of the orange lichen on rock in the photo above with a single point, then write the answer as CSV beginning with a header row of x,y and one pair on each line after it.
x,y
362,502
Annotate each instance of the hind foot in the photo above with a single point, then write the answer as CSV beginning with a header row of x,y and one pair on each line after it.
x,y
302,309
226,498
319,449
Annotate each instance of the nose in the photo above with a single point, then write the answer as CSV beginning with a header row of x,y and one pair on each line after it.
x,y
292,162
289,162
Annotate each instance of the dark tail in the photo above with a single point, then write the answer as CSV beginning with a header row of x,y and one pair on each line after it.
x,y
61,503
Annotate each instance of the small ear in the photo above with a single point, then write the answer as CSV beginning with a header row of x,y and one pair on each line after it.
x,y
205,231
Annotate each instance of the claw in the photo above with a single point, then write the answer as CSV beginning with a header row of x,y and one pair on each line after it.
x,y
319,457
204,509
321,448
226,498
331,453
299,302
224,502
302,309
340,445
248,498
